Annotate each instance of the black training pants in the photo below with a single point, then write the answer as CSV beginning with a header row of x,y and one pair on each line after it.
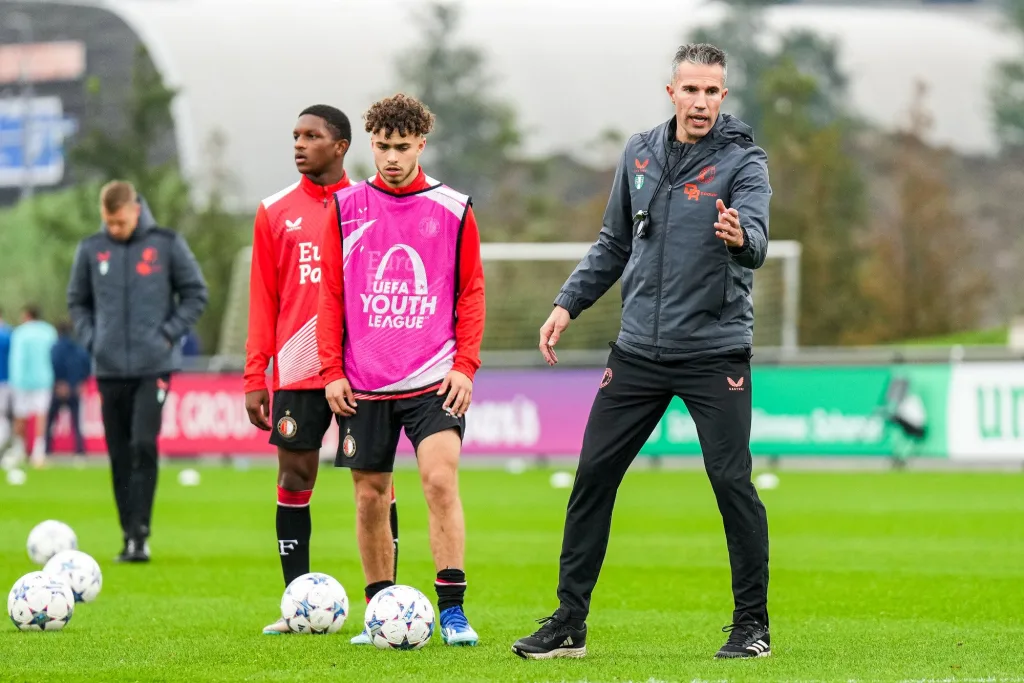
x,y
132,413
633,397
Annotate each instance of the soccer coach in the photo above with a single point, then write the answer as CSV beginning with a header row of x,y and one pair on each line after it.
x,y
686,224
135,290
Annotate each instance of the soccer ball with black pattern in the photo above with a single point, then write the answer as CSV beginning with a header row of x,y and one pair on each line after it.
x,y
314,603
49,538
80,571
40,602
400,618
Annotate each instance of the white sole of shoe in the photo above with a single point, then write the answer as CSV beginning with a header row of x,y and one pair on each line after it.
x,y
562,652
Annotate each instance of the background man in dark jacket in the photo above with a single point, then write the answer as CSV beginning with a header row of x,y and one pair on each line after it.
x,y
71,368
686,223
135,290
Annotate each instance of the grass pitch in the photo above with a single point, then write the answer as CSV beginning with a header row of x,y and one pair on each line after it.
x,y
899,576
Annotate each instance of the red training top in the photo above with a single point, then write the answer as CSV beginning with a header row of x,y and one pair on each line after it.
x,y
284,285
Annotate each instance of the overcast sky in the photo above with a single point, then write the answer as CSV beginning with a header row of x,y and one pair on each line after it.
x,y
571,68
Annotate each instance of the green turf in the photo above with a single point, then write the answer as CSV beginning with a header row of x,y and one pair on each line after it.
x,y
996,336
880,576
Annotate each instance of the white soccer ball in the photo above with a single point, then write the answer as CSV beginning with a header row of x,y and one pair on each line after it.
x,y
80,571
400,618
766,481
49,538
188,477
561,480
16,477
314,603
40,602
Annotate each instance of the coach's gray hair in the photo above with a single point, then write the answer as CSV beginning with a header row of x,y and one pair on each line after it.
x,y
700,53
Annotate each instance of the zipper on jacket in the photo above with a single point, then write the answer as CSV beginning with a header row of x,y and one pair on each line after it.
x,y
661,268
669,167
127,332
725,291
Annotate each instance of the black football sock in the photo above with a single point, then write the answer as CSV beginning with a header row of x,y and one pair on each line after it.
x,y
394,529
294,528
451,588
377,587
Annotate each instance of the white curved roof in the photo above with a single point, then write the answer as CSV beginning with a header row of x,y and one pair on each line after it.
x,y
572,68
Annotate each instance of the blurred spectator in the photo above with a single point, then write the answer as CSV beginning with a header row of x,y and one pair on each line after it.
x,y
5,390
190,344
71,367
31,381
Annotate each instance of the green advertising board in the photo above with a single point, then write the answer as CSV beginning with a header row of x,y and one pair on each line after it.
x,y
827,411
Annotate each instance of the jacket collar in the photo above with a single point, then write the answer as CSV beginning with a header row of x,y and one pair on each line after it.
x,y
322,192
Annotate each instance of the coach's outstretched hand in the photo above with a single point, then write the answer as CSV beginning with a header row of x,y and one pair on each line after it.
x,y
460,393
257,404
551,331
340,397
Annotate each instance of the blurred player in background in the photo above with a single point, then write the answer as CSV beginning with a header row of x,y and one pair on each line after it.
x,y
5,389
71,368
400,323
283,293
135,289
31,382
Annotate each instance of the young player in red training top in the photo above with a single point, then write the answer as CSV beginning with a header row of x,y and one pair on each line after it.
x,y
284,284
399,326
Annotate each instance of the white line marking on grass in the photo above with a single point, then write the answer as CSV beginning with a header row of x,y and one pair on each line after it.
x,y
851,680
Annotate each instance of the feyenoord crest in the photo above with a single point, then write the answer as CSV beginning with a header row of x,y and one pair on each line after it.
x,y
348,446
286,426
638,180
104,267
607,378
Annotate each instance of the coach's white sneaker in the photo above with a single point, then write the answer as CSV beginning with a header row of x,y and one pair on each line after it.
x,y
278,628
362,639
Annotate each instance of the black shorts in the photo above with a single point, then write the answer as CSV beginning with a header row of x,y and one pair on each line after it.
x,y
301,418
368,440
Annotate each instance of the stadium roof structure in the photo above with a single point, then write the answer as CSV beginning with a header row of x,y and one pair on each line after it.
x,y
572,69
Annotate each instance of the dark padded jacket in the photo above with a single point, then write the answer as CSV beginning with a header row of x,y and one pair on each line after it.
x,y
684,293
132,302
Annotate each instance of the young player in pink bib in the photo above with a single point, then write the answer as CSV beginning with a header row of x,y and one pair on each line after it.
x,y
399,326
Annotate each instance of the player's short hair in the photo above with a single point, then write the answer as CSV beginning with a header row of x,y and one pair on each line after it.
x,y
32,311
402,113
700,53
117,194
337,123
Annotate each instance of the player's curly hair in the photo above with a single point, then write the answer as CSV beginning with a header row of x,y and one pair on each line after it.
x,y
402,113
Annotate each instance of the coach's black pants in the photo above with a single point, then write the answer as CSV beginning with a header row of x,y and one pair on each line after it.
x,y
132,412
633,398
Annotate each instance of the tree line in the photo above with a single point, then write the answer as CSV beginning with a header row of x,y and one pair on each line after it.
x,y
882,261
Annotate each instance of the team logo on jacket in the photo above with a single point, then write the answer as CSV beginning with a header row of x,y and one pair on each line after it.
x,y
148,264
103,259
706,175
641,169
348,445
607,379
287,427
735,384
694,193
